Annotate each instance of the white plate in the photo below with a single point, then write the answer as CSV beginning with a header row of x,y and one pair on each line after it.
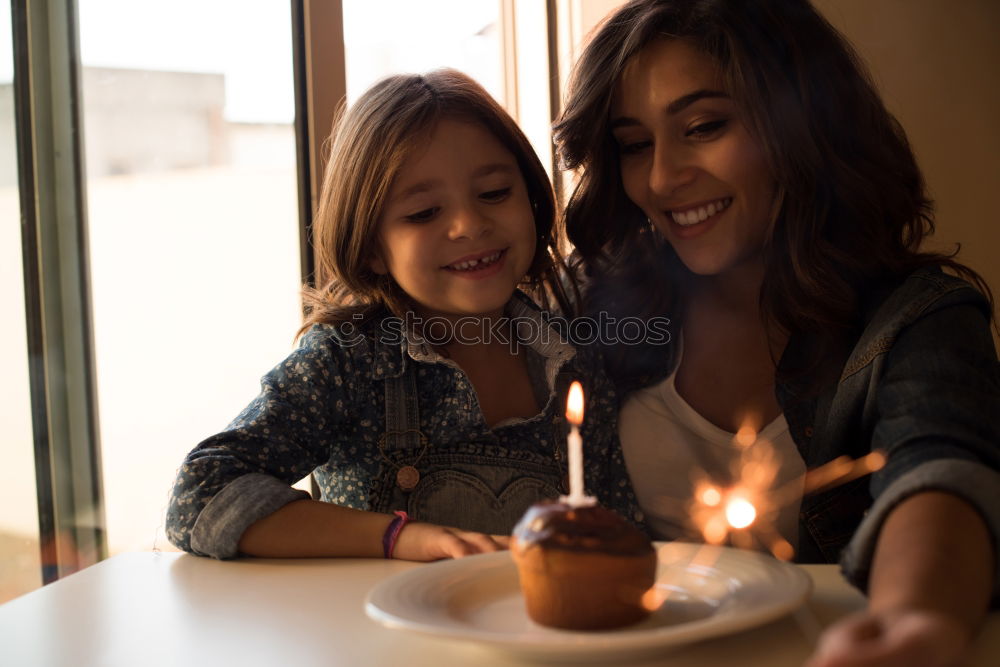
x,y
708,591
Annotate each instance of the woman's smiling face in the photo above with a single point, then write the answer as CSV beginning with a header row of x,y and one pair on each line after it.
x,y
688,161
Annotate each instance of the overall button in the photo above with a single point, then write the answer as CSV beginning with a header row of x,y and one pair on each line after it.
x,y
407,478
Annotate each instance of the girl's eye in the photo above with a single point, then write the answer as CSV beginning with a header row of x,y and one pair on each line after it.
x,y
705,130
495,196
424,215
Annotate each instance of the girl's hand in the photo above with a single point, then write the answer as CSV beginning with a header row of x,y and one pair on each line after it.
x,y
904,638
428,541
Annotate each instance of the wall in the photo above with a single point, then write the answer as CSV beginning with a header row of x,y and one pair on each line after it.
x,y
937,65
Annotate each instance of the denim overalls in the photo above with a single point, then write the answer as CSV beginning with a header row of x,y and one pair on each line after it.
x,y
469,485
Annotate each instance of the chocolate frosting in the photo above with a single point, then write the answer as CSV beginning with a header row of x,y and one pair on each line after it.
x,y
556,525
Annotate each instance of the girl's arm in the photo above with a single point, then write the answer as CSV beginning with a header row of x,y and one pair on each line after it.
x,y
929,589
245,472
314,529
233,494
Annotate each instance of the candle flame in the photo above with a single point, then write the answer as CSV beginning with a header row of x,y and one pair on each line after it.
x,y
574,404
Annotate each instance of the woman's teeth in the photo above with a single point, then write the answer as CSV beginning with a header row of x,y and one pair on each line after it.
x,y
476,263
696,215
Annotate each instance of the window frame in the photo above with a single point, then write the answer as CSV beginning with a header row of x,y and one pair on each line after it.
x,y
48,129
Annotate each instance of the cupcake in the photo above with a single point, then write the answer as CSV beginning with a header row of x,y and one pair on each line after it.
x,y
582,568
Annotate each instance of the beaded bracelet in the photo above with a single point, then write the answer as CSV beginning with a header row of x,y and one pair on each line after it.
x,y
392,532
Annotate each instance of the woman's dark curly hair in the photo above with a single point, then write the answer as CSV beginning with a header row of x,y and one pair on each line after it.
x,y
852,208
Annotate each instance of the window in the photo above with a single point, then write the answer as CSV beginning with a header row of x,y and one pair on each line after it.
x,y
193,223
501,44
422,36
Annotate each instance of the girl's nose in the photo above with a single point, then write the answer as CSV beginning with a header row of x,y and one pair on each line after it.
x,y
670,171
468,223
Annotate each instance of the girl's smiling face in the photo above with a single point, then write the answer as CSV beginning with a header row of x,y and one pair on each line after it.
x,y
457,232
688,161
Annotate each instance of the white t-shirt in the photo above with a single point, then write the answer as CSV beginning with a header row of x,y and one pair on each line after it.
x,y
669,447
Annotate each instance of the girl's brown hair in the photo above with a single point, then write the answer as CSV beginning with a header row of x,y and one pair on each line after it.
x,y
852,210
368,145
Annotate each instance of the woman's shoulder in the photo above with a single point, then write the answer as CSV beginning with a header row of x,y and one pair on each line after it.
x,y
929,310
893,305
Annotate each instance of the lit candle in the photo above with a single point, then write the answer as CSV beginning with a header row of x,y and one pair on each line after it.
x,y
574,447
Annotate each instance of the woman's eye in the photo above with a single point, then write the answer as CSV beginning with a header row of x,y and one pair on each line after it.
x,y
495,196
634,147
704,130
424,215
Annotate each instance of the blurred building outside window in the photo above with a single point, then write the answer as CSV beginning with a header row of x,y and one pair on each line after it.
x,y
193,231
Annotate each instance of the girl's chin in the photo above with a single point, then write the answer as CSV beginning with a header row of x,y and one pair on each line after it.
x,y
484,306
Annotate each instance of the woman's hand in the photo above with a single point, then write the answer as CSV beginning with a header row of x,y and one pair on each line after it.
x,y
905,637
928,591
428,541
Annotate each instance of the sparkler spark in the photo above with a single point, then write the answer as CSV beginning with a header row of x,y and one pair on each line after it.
x,y
744,512
715,530
711,496
746,436
652,599
740,512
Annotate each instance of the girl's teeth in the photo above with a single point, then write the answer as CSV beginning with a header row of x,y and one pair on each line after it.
x,y
473,263
701,213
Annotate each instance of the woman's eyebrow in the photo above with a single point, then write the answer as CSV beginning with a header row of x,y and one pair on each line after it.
x,y
674,107
685,101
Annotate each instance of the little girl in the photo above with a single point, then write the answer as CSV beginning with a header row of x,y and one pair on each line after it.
x,y
413,395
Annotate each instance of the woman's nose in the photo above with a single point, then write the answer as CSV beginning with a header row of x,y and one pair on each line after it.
x,y
670,171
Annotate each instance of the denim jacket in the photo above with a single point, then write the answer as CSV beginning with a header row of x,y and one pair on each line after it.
x,y
921,384
355,409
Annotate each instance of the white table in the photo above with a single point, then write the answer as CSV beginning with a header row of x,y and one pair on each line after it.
x,y
151,609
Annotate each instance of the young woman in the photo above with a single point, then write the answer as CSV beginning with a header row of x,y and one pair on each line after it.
x,y
415,391
740,175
